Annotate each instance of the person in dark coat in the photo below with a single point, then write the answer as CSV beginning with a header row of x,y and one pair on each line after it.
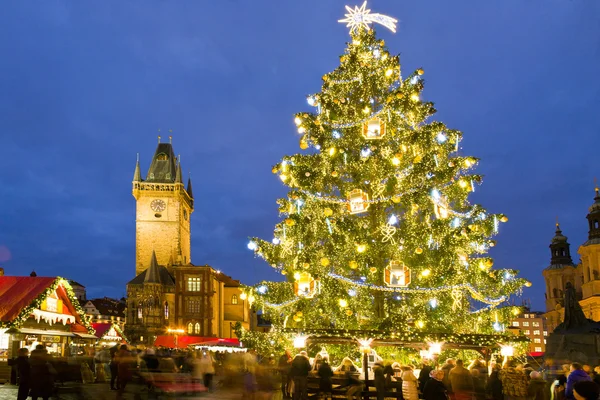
x,y
493,388
325,374
424,375
536,390
114,367
447,367
284,365
586,390
299,372
378,372
24,374
434,388
42,377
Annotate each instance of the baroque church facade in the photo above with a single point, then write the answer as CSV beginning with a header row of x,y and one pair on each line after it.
x,y
584,276
168,292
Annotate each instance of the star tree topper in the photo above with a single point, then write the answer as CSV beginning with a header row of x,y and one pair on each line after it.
x,y
360,16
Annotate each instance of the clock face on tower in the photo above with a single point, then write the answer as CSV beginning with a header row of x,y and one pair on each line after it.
x,y
158,205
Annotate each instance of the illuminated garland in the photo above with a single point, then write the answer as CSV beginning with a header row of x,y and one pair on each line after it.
x,y
465,339
27,311
476,295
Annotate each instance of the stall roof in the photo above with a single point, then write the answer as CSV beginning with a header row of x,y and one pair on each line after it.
x,y
17,292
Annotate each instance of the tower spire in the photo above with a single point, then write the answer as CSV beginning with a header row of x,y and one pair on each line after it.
x,y
152,274
189,186
137,175
178,177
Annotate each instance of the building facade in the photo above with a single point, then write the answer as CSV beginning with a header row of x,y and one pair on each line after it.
x,y
169,293
105,311
533,325
584,276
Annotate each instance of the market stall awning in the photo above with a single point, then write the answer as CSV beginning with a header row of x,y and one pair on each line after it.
x,y
109,332
220,342
185,341
28,331
86,336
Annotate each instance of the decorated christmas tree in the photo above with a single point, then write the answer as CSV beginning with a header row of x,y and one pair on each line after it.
x,y
377,231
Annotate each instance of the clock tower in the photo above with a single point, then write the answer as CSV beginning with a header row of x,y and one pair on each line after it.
x,y
163,209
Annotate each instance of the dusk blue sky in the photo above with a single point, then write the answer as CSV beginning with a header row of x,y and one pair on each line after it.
x,y
85,85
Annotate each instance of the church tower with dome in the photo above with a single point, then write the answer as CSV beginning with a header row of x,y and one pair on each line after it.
x,y
584,276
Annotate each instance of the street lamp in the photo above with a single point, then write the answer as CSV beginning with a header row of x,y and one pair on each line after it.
x,y
176,332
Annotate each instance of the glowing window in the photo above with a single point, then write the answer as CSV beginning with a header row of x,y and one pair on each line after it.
x,y
197,328
193,284
525,323
538,349
190,328
234,299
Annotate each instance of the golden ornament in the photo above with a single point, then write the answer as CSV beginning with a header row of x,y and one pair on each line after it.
x,y
396,198
328,212
334,174
418,159
325,261
303,144
325,77
451,164
527,284
299,313
489,262
274,170
305,265
336,101
504,218
419,250
399,95
349,312
420,71
290,222
353,264
372,270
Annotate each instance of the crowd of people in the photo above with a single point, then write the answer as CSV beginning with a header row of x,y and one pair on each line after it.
x,y
291,376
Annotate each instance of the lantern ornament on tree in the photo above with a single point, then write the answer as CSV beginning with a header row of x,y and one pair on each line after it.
x,y
373,129
440,208
305,285
397,274
358,201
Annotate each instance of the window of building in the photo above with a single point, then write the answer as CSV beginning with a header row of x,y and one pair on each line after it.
x,y
526,323
190,328
537,340
535,324
526,315
515,323
545,333
197,328
544,341
234,299
193,306
526,333
193,284
166,310
140,312
538,349
536,332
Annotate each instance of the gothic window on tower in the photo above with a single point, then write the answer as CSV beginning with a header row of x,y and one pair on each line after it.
x,y
166,310
140,313
190,328
162,157
234,299
193,284
197,328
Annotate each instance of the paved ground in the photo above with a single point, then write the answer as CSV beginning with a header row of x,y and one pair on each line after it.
x,y
133,392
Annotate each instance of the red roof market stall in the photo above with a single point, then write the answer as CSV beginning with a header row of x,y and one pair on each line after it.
x,y
109,334
41,310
